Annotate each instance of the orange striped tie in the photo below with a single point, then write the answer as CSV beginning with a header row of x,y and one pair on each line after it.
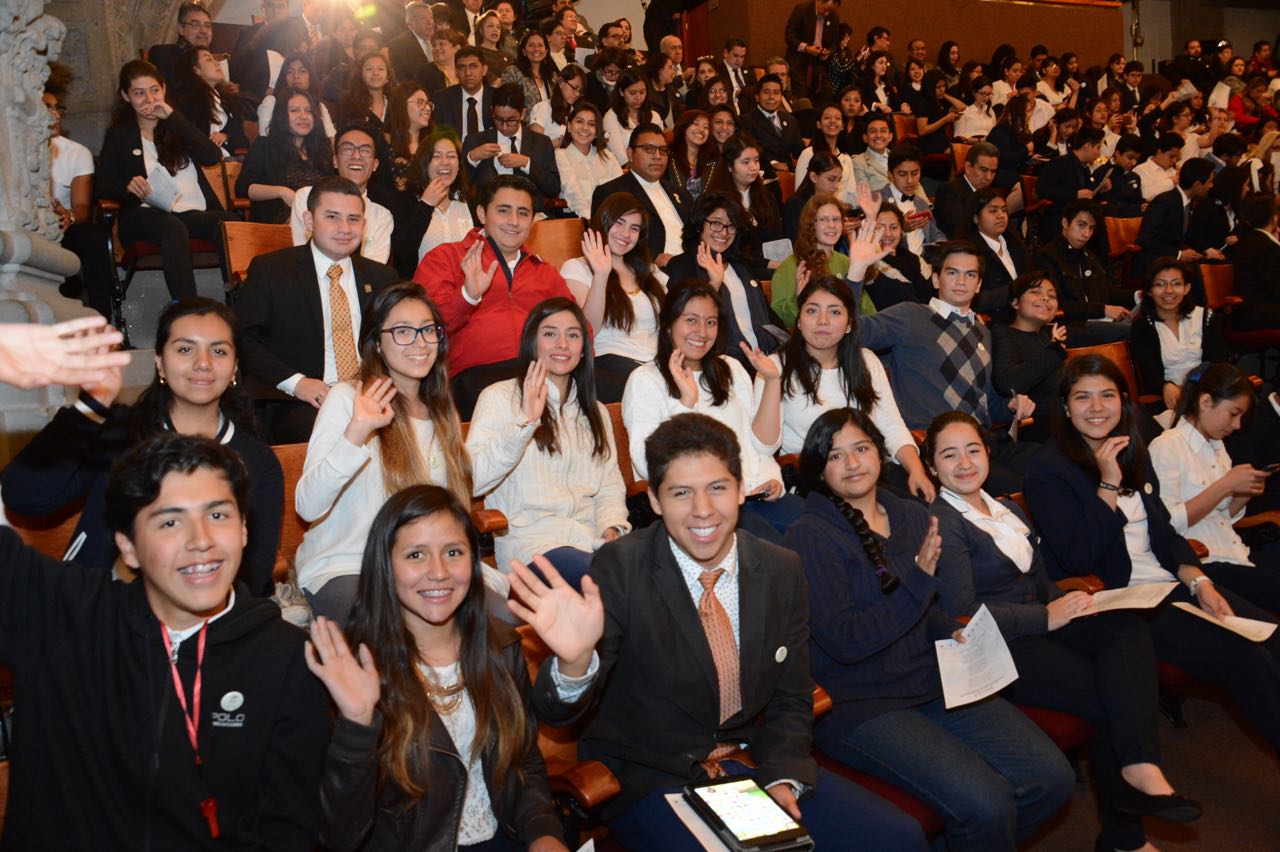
x,y
344,342
724,648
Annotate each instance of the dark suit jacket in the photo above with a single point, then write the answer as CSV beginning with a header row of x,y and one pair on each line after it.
x,y
1083,535
1162,230
248,64
993,299
536,146
407,56
1210,226
686,266
597,93
656,700
1060,181
657,231
121,159
800,28
950,206
163,56
1256,258
783,146
281,316
450,108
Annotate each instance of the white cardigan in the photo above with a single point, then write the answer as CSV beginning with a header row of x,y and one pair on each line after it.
x,y
580,175
564,500
646,404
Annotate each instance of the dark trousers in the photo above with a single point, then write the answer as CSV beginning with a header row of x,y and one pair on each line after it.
x,y
1259,585
289,421
88,241
612,372
1009,460
1249,671
468,384
1101,668
173,232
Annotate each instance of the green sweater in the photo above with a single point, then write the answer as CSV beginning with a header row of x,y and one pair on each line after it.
x,y
784,294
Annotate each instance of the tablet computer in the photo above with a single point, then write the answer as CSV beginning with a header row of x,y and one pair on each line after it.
x,y
745,817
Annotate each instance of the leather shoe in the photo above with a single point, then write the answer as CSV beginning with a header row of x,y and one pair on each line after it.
x,y
1174,808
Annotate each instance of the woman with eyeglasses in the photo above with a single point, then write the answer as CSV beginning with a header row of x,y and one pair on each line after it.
x,y
408,127
543,448
978,117
871,559
582,158
551,116
821,228
277,166
295,73
393,427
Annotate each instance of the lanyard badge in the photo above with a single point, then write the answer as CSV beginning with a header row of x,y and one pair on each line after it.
x,y
209,806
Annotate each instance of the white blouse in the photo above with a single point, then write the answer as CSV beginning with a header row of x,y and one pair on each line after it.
x,y
646,404
68,160
1184,351
1137,540
190,195
848,183
619,137
1005,528
580,174
1054,98
447,226
1187,463
639,344
974,122
1001,92
540,114
478,822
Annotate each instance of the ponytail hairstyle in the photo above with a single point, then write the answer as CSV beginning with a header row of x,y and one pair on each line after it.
x,y
800,368
583,378
813,463
716,378
378,622
1133,458
401,458
618,311
1219,381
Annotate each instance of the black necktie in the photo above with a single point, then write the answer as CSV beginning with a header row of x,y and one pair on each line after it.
x,y
1186,218
473,117
737,75
511,144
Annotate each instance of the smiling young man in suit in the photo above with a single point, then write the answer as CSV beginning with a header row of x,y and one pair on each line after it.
x,y
300,310
702,634
508,147
668,208
773,127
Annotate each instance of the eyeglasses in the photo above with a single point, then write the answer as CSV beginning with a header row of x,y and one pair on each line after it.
x,y
507,122
364,152
405,335
198,25
719,227
829,220
575,86
654,150
421,103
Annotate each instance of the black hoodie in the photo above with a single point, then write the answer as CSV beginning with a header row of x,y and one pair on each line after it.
x,y
101,758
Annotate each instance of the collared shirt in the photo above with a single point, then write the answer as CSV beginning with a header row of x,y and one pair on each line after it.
x,y
1005,528
504,142
671,221
725,589
741,309
1184,351
177,637
1001,248
348,284
1187,463
376,242
772,117
425,44
947,310
1146,568
480,125
1155,180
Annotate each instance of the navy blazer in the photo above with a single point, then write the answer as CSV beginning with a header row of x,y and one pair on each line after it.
x,y
1082,534
656,696
973,570
1162,230
782,145
450,111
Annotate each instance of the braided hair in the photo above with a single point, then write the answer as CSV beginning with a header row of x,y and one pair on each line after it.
x,y
813,462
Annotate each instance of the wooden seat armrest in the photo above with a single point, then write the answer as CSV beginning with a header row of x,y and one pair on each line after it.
x,y
822,702
106,205
489,520
640,486
917,435
1088,583
589,782
1256,381
792,459
1232,301
1272,517
1149,399
1199,548
241,203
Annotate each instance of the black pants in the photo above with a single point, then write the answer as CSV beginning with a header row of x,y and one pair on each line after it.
x,y
1009,460
289,421
612,372
88,241
1259,585
468,384
1103,669
173,232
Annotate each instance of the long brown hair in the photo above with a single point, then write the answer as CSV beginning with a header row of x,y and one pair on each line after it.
x,y
377,621
807,250
356,100
398,118
402,461
171,151
617,307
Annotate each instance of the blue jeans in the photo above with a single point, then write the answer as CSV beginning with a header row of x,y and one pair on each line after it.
x,y
838,815
570,562
770,520
986,769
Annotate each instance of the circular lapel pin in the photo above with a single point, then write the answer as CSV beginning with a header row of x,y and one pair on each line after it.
x,y
781,653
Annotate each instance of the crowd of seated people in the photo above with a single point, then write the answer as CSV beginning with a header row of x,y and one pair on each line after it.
x,y
754,429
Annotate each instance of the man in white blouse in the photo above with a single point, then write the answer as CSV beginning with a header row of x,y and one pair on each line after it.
x,y
355,157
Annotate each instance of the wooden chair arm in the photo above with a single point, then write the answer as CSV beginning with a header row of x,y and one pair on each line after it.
x,y
640,486
589,782
1127,248
241,203
1256,381
1145,399
822,702
792,459
489,520
1088,583
1271,517
1232,301
106,205
1198,546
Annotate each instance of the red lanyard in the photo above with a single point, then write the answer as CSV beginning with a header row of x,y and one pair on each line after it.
x,y
208,807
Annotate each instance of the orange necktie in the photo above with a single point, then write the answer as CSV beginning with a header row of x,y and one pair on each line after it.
x,y
724,648
344,342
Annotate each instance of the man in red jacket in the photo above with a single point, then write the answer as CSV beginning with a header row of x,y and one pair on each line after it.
x,y
486,285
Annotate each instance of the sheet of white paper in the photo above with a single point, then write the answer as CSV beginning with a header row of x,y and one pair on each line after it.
x,y
978,667
1144,596
589,846
778,250
700,830
225,64
275,61
1249,628
165,191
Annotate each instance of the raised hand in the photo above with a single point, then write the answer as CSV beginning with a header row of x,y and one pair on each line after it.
x,y
865,249
76,352
868,201
571,623
435,192
595,248
477,279
352,681
930,550
684,379
1107,457
765,367
535,392
371,410
713,263
1058,333
803,276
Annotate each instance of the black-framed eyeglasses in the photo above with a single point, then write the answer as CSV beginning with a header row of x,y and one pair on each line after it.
x,y
654,150
718,227
407,335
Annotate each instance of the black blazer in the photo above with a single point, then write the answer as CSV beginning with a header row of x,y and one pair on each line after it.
x,y
781,145
1256,258
1059,182
451,112
121,159
1209,226
994,296
1144,346
1161,232
407,57
1082,534
686,266
536,146
656,699
801,25
597,93
657,231
281,317
951,206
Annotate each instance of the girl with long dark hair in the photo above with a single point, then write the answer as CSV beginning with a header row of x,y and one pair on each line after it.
x,y
393,427
741,176
365,99
551,116
830,127
297,72
201,93
1101,667
440,181
435,744
871,559
619,289
949,62
533,69
582,158
193,392
628,109
298,154
693,155
543,448
407,129
1171,335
